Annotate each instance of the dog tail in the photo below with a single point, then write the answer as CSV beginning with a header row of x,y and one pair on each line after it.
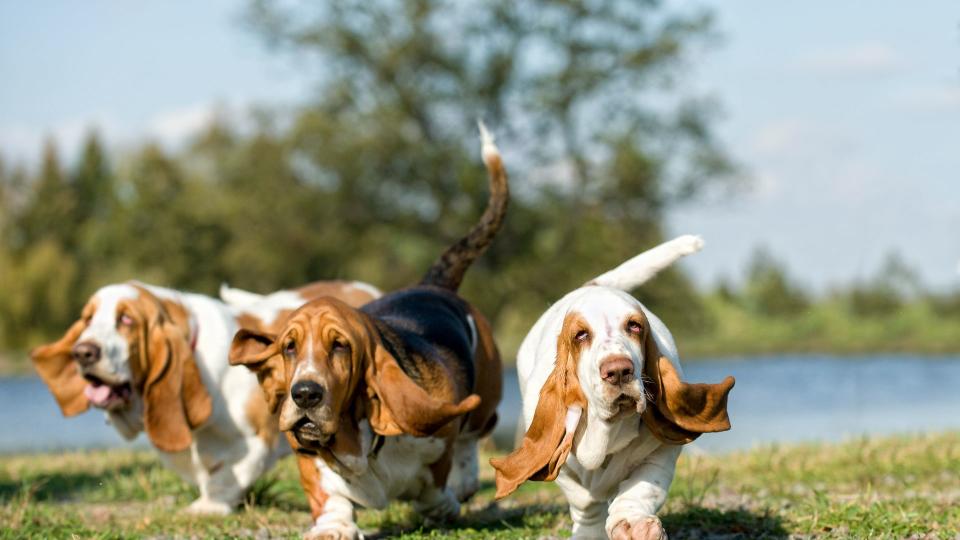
x,y
644,266
238,298
448,270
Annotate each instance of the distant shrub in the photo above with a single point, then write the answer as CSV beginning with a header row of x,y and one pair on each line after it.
x,y
945,305
871,300
887,292
769,291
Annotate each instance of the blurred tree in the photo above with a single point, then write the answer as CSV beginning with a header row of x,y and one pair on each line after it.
x,y
45,216
769,291
888,291
598,137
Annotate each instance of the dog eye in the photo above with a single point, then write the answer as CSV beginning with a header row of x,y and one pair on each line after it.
x,y
290,349
124,320
581,336
634,327
338,346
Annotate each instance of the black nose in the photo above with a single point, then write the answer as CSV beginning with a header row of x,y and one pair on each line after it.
x,y
86,353
306,394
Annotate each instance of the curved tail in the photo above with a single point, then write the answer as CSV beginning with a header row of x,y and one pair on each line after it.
x,y
643,267
448,270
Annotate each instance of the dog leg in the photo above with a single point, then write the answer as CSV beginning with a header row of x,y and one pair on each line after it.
x,y
437,505
464,475
640,496
587,513
336,522
223,484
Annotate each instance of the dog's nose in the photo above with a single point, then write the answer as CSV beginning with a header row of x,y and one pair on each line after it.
x,y
306,394
86,353
616,370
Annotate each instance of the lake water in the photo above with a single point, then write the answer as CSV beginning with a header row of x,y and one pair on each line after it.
x,y
786,399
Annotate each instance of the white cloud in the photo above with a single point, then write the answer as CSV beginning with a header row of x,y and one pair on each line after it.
x,y
862,59
175,126
937,98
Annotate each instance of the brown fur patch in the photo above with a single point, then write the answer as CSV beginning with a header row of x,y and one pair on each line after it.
x,y
310,480
258,414
489,377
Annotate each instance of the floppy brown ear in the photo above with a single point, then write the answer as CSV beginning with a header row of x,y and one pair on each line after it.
x,y
679,412
258,352
398,405
56,367
549,439
175,400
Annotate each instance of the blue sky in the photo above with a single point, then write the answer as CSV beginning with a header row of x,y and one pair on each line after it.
x,y
845,114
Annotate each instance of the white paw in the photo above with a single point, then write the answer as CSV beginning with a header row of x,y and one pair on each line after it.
x,y
333,531
645,528
207,507
444,509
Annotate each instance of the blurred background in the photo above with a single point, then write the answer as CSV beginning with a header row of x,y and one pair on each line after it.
x,y
268,144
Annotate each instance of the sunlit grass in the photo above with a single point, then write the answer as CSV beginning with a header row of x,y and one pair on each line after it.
x,y
866,488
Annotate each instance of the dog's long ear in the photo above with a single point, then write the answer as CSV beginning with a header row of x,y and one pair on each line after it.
x,y
397,404
56,367
679,412
549,439
175,400
257,351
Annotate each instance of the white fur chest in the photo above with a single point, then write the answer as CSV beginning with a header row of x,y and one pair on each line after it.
x,y
400,470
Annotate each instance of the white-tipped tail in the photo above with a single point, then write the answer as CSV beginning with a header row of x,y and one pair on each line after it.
x,y
644,266
238,297
489,150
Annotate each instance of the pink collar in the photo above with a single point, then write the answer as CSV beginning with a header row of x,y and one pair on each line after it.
x,y
193,340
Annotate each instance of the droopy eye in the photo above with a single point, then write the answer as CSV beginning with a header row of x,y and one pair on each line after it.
x,y
290,348
124,320
634,327
338,346
581,336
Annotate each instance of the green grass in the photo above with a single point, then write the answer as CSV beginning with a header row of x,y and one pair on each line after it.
x,y
887,488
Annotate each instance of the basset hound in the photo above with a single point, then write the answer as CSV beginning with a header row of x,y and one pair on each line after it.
x,y
604,404
388,401
155,360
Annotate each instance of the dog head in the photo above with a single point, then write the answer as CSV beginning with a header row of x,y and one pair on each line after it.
x,y
130,355
608,360
328,372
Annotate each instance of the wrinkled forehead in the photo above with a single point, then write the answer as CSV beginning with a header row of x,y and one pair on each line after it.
x,y
604,309
106,300
318,318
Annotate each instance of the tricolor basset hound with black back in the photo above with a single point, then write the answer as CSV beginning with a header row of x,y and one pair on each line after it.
x,y
388,401
604,404
155,360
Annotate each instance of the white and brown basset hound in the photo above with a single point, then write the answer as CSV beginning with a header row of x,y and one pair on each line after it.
x,y
604,404
388,401
156,360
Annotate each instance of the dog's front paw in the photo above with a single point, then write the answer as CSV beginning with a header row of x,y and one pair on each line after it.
x,y
332,530
207,507
645,528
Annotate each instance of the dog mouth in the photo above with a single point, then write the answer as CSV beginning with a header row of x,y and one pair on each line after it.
x,y
107,396
309,434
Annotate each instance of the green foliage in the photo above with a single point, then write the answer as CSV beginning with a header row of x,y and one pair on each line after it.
x,y
379,171
887,292
769,291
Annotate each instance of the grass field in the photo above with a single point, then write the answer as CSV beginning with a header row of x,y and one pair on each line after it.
x,y
905,487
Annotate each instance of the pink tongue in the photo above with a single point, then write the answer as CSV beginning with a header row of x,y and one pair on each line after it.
x,y
98,395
